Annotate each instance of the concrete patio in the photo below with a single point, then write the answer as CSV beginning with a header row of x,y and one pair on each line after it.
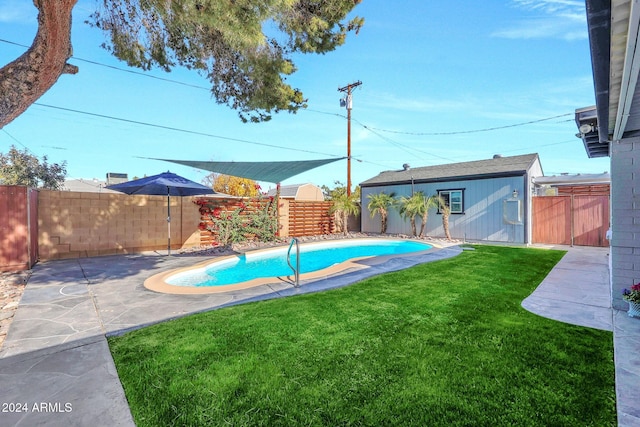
x,y
56,362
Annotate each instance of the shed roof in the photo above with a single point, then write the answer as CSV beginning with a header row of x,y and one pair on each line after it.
x,y
496,167
286,190
580,178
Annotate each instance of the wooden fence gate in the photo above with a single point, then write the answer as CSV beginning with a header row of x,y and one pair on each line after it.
x,y
18,227
581,220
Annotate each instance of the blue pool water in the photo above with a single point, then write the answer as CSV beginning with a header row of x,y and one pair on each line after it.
x,y
273,263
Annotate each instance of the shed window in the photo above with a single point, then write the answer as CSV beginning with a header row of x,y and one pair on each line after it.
x,y
454,199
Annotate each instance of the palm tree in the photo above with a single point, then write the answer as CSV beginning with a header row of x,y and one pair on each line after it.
x,y
427,202
417,204
344,206
445,210
406,208
379,204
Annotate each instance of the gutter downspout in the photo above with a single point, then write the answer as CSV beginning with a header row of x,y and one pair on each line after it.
x,y
629,72
599,25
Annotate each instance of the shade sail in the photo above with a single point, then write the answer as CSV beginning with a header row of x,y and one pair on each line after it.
x,y
258,171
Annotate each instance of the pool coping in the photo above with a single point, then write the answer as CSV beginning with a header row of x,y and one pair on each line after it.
x,y
158,282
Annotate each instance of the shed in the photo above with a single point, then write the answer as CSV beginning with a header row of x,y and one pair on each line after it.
x,y
298,192
490,199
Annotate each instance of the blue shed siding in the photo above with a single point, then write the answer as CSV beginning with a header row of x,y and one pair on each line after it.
x,y
483,217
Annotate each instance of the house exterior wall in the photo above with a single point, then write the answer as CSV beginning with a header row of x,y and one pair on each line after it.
x,y
483,217
625,217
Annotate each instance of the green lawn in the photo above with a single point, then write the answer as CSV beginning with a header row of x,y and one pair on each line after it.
x,y
441,344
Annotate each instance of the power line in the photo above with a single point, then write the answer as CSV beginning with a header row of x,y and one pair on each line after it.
x,y
312,110
209,135
124,70
141,74
16,140
376,131
474,130
391,141
371,128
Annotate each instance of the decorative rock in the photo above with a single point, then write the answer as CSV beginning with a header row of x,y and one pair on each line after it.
x,y
9,306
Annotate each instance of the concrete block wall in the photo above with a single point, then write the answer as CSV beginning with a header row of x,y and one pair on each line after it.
x,y
625,217
77,224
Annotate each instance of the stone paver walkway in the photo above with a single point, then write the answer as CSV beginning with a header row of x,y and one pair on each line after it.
x,y
56,364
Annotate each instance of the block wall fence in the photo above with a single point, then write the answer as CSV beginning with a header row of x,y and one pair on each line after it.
x,y
77,224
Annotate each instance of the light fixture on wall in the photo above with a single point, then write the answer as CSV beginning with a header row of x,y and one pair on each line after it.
x,y
586,128
515,194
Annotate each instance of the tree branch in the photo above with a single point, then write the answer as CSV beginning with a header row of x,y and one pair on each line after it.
x,y
28,77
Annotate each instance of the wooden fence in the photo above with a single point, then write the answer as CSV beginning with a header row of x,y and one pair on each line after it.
x,y
295,218
581,220
310,218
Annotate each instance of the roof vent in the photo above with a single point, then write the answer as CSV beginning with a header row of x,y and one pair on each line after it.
x,y
497,156
406,166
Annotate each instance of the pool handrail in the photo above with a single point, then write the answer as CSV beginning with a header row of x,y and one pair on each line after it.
x,y
296,270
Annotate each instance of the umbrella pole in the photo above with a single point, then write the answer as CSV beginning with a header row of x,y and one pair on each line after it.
x,y
168,222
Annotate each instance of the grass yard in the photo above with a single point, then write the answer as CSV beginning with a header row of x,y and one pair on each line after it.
x,y
441,344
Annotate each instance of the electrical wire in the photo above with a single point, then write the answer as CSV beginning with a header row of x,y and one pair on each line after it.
x,y
313,110
474,130
16,140
375,130
209,135
124,70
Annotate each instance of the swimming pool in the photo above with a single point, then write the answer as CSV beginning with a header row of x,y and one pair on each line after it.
x,y
264,266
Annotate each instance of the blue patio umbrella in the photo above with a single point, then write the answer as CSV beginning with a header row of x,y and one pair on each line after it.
x,y
158,185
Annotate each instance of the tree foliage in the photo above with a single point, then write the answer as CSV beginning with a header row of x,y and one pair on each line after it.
x,y
339,190
21,168
232,185
344,206
244,47
416,205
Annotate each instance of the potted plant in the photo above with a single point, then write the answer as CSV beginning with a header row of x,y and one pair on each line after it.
x,y
632,296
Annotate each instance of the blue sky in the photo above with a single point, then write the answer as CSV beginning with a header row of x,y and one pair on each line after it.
x,y
442,82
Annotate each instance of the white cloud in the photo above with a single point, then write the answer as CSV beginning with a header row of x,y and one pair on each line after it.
x,y
558,19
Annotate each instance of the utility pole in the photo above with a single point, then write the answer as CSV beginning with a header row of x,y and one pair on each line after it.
x,y
347,102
